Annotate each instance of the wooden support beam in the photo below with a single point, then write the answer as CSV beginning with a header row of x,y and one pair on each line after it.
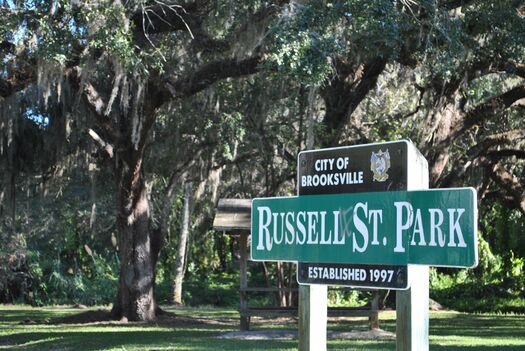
x,y
243,268
374,306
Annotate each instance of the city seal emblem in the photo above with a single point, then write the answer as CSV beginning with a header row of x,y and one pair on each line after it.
x,y
379,165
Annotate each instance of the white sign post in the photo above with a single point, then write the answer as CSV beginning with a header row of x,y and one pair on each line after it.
x,y
313,309
412,312
412,305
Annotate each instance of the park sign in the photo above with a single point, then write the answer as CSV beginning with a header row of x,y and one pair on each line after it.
x,y
354,275
427,227
351,169
359,168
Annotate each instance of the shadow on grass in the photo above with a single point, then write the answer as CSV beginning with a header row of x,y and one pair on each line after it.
x,y
133,340
33,314
479,326
477,348
182,331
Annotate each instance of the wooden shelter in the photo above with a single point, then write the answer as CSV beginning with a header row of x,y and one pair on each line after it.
x,y
233,216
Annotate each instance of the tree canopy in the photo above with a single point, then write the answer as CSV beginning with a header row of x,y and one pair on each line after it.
x,y
150,94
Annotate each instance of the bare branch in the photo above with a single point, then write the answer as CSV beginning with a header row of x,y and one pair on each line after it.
x,y
93,98
108,148
161,18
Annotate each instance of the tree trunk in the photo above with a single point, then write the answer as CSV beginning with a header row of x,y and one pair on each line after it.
x,y
291,280
181,251
281,284
138,248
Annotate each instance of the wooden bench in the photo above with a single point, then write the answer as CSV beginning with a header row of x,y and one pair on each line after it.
x,y
292,311
371,311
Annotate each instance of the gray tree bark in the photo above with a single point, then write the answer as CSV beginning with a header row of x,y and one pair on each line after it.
x,y
181,251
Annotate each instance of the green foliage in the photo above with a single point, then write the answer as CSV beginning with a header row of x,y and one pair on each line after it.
x,y
445,42
374,28
230,131
62,245
490,86
473,296
501,27
498,288
498,283
502,228
214,289
308,38
347,298
306,57
51,284
109,30
14,277
51,31
483,32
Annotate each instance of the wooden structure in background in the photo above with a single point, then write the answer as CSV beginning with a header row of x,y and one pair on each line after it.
x,y
233,216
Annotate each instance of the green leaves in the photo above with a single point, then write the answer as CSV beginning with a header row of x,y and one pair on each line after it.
x,y
373,29
307,56
307,39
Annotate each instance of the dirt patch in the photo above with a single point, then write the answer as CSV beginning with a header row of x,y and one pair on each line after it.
x,y
374,334
171,318
260,335
285,334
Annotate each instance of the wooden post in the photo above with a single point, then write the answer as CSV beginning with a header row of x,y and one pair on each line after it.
x,y
374,307
243,267
412,304
312,317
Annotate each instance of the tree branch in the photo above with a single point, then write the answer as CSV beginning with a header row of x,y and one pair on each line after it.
x,y
505,138
342,97
164,18
17,80
108,148
481,154
209,74
95,103
161,18
499,154
486,110
508,182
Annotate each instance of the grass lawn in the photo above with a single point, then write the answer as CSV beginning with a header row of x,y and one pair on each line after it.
x,y
24,328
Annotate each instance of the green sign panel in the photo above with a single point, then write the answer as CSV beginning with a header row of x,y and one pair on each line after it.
x,y
429,227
